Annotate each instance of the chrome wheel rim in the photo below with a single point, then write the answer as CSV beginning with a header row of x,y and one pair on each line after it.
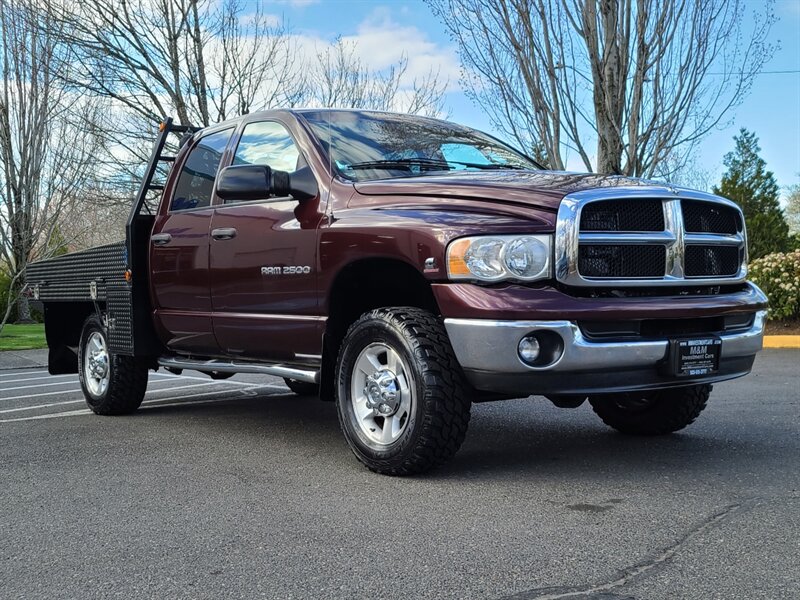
x,y
381,393
96,370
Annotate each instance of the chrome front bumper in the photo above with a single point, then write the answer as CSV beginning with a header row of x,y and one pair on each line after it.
x,y
487,351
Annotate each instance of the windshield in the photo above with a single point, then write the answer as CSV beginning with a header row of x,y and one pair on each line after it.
x,y
373,145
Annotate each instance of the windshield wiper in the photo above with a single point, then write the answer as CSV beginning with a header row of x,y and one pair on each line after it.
x,y
407,163
404,163
486,166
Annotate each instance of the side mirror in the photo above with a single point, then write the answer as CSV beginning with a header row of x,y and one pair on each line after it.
x,y
257,182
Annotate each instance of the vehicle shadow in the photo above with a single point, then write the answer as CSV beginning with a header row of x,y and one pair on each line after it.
x,y
513,439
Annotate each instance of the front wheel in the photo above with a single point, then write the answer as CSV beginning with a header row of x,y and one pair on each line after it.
x,y
652,413
112,384
402,401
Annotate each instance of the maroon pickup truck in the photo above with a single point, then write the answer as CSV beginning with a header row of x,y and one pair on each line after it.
x,y
405,267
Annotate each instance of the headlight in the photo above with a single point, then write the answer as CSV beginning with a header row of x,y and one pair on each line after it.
x,y
498,257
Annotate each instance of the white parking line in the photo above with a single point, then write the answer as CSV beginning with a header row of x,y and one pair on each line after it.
x,y
68,413
38,395
28,396
22,408
33,387
155,403
161,376
39,372
72,376
45,376
170,389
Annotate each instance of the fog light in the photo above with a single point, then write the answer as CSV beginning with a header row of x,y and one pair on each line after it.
x,y
529,349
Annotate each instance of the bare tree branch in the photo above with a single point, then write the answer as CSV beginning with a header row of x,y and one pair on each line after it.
x,y
643,79
339,79
46,150
203,61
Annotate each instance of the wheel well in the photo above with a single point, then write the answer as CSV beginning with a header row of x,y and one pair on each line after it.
x,y
63,323
363,286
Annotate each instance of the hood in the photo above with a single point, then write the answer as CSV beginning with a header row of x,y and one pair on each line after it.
x,y
544,189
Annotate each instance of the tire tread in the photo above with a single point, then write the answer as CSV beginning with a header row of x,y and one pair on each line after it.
x,y
673,410
128,382
447,400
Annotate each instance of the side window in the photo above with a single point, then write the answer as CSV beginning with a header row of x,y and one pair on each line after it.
x,y
196,181
268,143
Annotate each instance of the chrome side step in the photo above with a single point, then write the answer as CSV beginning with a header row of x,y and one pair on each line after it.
x,y
231,366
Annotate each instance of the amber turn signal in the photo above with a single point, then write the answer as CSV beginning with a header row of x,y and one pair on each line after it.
x,y
455,258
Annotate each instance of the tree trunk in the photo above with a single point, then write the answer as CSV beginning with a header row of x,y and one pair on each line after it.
x,y
23,310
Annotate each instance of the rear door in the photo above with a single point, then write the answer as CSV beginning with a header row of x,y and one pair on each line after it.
x,y
263,261
179,251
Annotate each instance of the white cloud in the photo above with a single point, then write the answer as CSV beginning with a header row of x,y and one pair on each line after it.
x,y
381,42
272,20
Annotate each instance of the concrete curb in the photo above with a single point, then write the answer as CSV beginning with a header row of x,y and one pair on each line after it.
x,y
22,359
782,341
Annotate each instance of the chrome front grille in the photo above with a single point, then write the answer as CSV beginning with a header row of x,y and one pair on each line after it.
x,y
715,261
709,217
621,215
649,236
636,260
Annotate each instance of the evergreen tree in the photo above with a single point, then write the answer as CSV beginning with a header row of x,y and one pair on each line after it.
x,y
748,183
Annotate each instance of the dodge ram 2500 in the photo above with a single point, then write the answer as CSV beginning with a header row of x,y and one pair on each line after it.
x,y
405,267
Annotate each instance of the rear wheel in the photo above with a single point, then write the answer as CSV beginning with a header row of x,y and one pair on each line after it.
x,y
652,413
401,398
302,388
112,384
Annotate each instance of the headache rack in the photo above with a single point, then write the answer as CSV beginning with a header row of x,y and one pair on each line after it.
x,y
114,277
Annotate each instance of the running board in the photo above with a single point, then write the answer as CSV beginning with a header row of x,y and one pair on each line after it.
x,y
230,366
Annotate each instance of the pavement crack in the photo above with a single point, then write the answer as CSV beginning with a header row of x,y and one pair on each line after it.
x,y
635,571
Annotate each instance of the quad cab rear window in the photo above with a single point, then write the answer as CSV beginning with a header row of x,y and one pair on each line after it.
x,y
196,181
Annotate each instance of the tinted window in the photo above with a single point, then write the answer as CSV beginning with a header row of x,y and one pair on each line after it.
x,y
267,143
196,182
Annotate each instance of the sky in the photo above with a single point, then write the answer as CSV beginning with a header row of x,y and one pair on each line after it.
x,y
386,30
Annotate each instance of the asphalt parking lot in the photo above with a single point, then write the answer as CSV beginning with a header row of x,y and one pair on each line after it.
x,y
239,489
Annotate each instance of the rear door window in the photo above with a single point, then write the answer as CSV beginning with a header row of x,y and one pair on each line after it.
x,y
196,182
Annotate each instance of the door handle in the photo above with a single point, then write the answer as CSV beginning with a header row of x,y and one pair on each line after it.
x,y
223,233
161,239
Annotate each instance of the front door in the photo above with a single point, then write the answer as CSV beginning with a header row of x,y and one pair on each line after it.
x,y
179,252
263,261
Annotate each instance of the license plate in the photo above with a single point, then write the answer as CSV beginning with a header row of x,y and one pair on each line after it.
x,y
695,357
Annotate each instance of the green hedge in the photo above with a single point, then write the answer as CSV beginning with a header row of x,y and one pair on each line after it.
x,y
779,276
